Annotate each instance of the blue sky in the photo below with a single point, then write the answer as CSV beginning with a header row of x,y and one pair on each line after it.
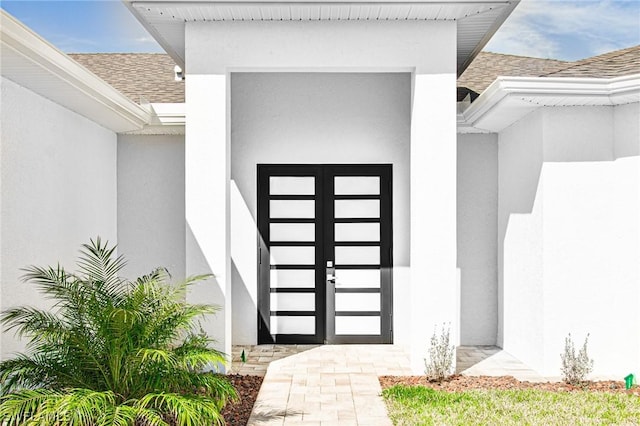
x,y
560,29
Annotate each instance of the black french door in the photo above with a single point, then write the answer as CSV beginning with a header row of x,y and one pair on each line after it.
x,y
325,253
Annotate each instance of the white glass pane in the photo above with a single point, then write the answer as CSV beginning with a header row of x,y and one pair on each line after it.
x,y
358,325
292,185
358,302
360,185
294,278
293,255
292,209
292,231
358,278
293,302
357,208
357,255
293,325
357,232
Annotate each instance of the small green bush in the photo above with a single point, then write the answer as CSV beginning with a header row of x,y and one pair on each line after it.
x,y
112,351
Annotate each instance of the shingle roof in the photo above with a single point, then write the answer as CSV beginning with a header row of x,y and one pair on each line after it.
x,y
151,75
608,65
487,66
136,75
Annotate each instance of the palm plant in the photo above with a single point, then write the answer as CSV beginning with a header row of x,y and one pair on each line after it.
x,y
111,351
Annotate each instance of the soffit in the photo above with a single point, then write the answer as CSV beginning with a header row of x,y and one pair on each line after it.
x,y
477,20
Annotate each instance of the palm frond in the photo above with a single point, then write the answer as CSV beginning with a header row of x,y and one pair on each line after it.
x,y
189,410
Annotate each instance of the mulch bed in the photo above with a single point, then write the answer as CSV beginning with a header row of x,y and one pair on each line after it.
x,y
459,383
247,386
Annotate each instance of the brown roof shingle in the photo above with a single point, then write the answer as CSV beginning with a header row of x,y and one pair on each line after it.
x,y
608,65
136,75
488,65
151,75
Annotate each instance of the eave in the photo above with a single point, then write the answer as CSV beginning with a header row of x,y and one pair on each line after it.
x,y
37,65
508,99
477,20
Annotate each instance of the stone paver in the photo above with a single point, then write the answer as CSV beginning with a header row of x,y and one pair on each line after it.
x,y
338,384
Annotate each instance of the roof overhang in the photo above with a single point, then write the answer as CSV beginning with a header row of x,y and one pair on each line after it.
x,y
508,99
477,20
35,64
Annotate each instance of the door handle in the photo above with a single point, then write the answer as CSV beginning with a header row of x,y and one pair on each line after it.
x,y
331,272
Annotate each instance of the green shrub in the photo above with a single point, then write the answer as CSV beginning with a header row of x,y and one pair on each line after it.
x,y
111,351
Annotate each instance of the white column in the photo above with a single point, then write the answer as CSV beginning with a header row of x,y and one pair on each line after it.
x,y
434,277
207,200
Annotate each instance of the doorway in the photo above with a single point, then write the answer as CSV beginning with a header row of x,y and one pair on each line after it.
x,y
325,253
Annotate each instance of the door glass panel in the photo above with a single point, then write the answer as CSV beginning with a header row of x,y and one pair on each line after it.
x,y
357,232
287,209
357,208
293,278
358,325
293,255
358,302
292,231
293,325
358,278
292,185
356,255
293,301
357,185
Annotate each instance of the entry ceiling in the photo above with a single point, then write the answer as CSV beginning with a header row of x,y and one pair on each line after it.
x,y
477,20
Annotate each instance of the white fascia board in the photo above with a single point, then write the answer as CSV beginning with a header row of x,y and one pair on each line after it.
x,y
508,99
32,49
167,119
169,114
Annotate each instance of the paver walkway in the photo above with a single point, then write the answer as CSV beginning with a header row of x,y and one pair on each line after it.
x,y
338,384
328,385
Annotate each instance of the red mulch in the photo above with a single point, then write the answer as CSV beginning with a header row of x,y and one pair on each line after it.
x,y
247,386
459,383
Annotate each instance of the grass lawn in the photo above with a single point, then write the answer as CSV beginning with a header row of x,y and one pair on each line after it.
x,y
418,405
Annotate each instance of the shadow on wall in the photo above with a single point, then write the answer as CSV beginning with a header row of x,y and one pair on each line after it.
x,y
548,138
566,226
209,291
244,268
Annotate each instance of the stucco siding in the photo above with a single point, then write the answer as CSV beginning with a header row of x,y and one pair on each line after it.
x,y
222,46
58,190
626,131
151,217
568,260
477,199
591,270
520,315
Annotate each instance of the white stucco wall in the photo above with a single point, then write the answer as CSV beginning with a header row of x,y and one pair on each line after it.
x,y
215,50
314,118
477,223
626,130
570,263
591,270
219,47
520,315
151,218
58,174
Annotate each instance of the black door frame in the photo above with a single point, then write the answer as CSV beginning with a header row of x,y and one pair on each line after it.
x,y
324,244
